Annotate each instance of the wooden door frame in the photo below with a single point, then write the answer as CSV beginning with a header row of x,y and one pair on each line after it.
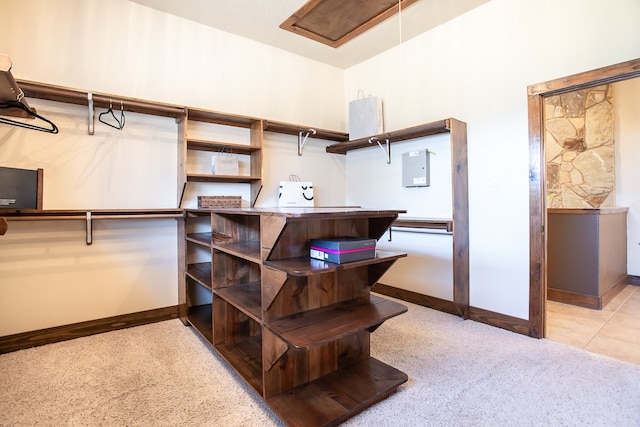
x,y
537,203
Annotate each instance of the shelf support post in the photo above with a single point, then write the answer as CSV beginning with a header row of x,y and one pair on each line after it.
x,y
302,140
387,150
89,229
92,113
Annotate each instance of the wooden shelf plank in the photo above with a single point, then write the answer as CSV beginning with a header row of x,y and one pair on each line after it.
x,y
64,214
306,266
217,117
100,100
222,178
427,129
245,357
206,145
201,273
203,239
319,326
200,318
427,223
332,399
245,250
291,129
246,297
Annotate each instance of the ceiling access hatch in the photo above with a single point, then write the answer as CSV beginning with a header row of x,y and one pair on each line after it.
x,y
335,22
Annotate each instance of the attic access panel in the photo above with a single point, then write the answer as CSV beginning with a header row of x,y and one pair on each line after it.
x,y
335,22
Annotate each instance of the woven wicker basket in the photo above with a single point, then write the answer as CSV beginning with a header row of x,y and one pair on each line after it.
x,y
219,202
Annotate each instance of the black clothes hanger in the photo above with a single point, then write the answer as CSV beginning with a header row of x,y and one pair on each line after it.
x,y
16,104
120,122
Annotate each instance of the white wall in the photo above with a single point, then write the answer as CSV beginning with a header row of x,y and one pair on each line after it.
x,y
476,68
121,47
627,118
48,275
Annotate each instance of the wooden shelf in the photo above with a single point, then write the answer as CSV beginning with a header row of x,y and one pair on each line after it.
x,y
306,266
316,327
332,399
427,129
291,129
245,357
458,226
100,100
217,117
68,95
245,297
203,145
290,331
200,318
203,239
427,223
222,178
201,273
246,250
88,215
79,214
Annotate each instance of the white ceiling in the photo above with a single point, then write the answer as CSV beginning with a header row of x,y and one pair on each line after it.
x,y
260,20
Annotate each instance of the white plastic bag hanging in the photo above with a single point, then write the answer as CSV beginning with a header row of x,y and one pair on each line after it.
x,y
296,193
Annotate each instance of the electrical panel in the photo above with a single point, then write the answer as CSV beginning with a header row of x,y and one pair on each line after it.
x,y
415,169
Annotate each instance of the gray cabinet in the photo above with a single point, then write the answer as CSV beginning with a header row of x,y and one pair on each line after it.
x,y
586,255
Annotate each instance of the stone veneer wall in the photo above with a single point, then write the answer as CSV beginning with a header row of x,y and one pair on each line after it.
x,y
579,149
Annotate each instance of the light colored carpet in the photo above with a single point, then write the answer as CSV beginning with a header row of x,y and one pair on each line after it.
x,y
461,373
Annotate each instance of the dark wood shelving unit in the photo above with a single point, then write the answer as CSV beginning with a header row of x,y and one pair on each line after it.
x,y
458,226
291,327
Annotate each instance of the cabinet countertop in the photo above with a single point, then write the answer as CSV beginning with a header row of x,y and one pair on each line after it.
x,y
588,211
300,212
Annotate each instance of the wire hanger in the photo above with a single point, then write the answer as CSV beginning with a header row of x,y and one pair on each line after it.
x,y
120,122
17,104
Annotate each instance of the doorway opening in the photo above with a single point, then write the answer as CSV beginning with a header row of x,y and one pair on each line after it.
x,y
537,179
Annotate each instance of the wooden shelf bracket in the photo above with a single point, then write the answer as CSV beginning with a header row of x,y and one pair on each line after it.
x,y
303,139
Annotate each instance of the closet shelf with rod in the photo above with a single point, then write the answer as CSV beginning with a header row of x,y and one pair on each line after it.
x,y
85,215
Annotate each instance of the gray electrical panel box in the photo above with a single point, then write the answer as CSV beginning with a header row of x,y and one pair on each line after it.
x,y
415,169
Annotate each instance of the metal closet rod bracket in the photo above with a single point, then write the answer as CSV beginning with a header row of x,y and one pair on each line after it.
x,y
303,139
92,113
89,229
387,151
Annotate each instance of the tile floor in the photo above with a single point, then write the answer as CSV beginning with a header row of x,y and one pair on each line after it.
x,y
613,331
